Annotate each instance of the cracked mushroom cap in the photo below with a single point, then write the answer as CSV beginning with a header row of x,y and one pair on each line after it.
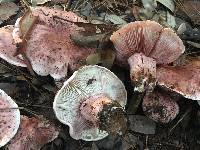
x,y
9,118
160,107
8,47
149,38
87,85
184,80
49,46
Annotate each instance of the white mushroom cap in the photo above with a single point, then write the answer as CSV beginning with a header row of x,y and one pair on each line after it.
x,y
86,82
9,118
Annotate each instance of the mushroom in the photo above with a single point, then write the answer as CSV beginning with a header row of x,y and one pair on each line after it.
x,y
160,107
91,102
9,118
49,47
8,47
33,133
184,79
150,39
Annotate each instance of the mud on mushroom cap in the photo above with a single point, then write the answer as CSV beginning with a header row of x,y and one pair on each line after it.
x,y
87,82
9,118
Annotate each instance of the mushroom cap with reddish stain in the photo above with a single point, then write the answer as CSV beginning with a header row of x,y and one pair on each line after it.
x,y
8,47
160,107
87,82
49,46
149,38
184,79
9,118
33,134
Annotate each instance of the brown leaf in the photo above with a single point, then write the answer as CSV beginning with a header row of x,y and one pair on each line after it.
x,y
192,9
7,9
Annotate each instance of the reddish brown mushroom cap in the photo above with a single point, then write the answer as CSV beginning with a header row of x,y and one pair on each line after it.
x,y
168,48
135,37
142,71
33,134
49,46
160,107
149,38
184,80
8,47
9,118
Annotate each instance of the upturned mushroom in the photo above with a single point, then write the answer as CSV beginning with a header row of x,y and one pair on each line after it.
x,y
150,39
48,46
9,118
91,102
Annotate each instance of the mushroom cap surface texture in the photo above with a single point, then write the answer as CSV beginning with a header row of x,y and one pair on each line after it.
x,y
33,133
49,46
184,79
160,107
86,82
8,47
149,38
9,118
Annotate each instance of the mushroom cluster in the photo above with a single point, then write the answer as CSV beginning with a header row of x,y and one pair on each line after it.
x,y
143,45
91,102
148,48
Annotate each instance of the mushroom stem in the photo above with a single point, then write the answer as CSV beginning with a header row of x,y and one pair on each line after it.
x,y
104,112
142,72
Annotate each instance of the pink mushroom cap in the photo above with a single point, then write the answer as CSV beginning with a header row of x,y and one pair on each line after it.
x,y
160,107
33,134
49,46
184,79
9,118
149,38
8,47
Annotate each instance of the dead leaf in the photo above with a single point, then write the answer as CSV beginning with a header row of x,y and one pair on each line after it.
x,y
26,23
167,3
192,9
142,124
39,2
7,10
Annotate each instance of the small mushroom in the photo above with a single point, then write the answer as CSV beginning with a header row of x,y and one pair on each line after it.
x,y
9,118
8,47
149,38
160,107
184,79
49,47
91,103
